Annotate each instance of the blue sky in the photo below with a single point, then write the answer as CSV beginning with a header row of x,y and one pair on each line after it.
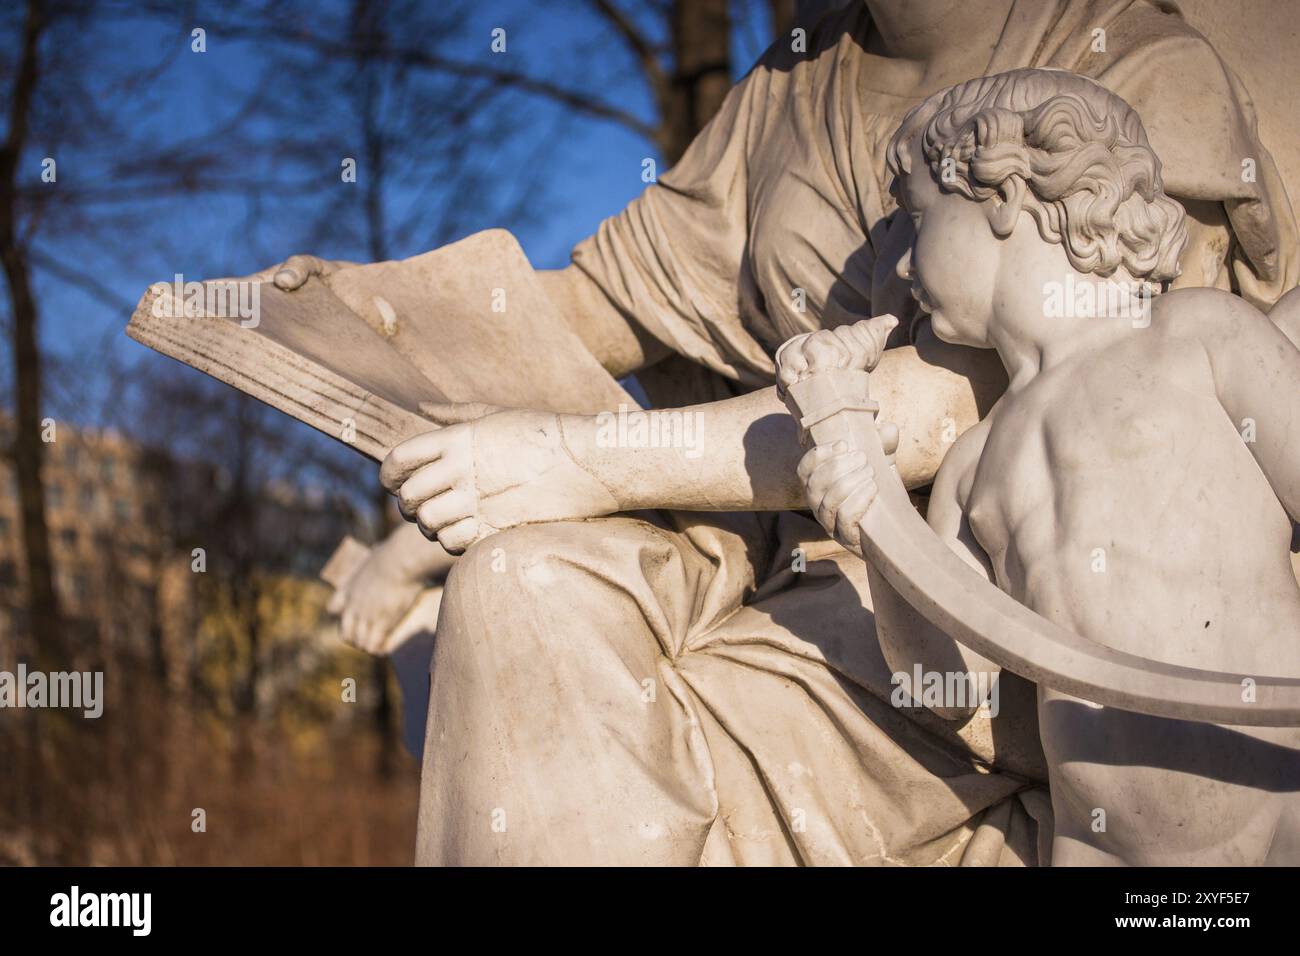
x,y
574,170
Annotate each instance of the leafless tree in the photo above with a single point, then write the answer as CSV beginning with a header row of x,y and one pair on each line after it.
x,y
24,329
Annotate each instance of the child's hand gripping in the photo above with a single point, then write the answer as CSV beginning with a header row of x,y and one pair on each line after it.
x,y
857,346
839,484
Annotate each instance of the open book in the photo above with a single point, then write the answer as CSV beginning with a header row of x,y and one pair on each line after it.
x,y
355,353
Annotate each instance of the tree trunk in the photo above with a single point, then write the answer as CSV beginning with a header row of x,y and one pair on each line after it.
x,y
701,78
783,16
28,449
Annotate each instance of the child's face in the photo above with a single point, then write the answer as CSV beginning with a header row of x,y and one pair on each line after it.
x,y
955,258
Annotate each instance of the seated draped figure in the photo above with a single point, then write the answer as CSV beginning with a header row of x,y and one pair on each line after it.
x,y
1137,482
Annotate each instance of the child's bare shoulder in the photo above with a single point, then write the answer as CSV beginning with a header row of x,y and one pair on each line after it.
x,y
1205,337
956,474
1204,315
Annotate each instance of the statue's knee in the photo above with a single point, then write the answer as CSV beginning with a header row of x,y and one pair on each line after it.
x,y
508,566
544,603
508,608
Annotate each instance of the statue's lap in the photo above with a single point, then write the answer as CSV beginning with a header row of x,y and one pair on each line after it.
x,y
753,690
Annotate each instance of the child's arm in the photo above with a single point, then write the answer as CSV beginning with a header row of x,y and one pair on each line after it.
x,y
840,488
1256,372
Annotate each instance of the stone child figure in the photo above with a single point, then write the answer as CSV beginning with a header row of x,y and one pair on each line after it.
x,y
1136,483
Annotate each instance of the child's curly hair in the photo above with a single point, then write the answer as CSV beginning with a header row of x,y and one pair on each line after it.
x,y
1077,151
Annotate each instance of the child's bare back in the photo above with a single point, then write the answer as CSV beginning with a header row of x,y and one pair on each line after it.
x,y
1115,495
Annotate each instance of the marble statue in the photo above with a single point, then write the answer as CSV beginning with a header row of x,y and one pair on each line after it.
x,y
1018,185
647,653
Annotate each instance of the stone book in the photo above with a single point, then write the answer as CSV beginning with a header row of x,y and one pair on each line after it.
x,y
355,353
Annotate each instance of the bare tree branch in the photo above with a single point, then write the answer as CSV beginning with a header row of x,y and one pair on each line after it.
x,y
641,48
577,100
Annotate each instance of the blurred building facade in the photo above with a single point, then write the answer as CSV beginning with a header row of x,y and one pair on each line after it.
x,y
142,545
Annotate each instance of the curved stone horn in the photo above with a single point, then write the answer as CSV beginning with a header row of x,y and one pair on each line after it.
x,y
834,405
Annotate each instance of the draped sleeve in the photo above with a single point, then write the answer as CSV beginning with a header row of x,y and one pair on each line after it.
x,y
766,218
671,260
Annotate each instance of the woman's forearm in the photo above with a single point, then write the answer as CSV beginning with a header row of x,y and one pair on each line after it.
x,y
741,454
735,455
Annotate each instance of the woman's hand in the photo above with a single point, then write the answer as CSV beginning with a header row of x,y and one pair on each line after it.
x,y
375,598
474,477
294,272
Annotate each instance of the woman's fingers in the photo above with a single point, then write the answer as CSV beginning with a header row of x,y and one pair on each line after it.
x,y
298,269
409,456
372,638
427,482
459,535
446,509
430,476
